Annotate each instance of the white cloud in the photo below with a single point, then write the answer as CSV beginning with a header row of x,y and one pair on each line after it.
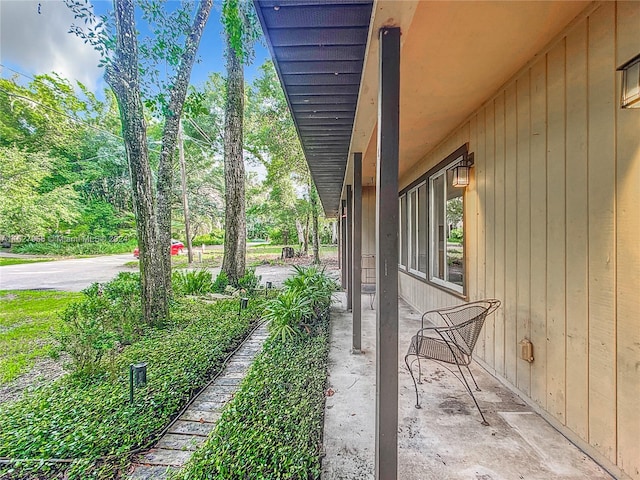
x,y
34,38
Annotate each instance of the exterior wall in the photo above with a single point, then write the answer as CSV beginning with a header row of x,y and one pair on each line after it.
x,y
552,222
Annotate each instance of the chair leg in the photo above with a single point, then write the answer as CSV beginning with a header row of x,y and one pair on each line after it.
x,y
474,379
415,385
466,384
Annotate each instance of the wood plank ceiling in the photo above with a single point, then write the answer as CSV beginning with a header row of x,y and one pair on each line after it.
x,y
318,49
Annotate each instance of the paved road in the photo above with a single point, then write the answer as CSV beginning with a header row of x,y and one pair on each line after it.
x,y
70,275
77,274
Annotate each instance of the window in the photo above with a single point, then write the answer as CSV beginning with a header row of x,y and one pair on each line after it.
x,y
446,230
417,225
431,225
413,230
631,83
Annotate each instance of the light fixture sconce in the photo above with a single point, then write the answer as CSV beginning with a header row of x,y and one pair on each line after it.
x,y
630,91
461,172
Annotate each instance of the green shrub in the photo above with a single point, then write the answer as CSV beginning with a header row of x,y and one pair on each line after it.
x,y
216,237
249,281
221,283
315,285
272,429
195,282
306,296
456,235
84,336
84,419
107,318
287,314
73,248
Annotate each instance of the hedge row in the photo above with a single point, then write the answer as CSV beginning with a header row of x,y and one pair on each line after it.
x,y
272,429
87,418
65,249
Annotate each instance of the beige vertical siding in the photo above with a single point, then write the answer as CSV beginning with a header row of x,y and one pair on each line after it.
x,y
553,230
627,257
577,234
368,220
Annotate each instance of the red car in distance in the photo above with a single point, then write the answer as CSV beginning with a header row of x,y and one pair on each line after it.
x,y
176,248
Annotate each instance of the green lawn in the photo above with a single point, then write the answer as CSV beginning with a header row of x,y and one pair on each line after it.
x,y
256,255
4,261
27,319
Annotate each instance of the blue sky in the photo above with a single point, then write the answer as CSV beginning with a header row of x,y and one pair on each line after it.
x,y
34,40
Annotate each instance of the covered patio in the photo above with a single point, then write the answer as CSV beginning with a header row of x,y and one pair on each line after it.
x,y
476,150
444,439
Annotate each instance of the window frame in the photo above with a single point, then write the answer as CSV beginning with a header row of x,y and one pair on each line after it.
x,y
630,75
433,245
414,240
448,162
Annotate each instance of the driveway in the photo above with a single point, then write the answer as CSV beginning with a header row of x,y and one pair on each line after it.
x,y
71,275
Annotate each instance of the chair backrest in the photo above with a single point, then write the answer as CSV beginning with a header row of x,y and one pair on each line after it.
x,y
468,320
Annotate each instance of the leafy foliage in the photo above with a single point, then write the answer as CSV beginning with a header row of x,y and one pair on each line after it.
x,y
241,26
74,248
305,297
89,417
287,313
215,237
195,282
272,429
272,139
313,283
76,174
26,205
456,235
221,282
249,281
108,317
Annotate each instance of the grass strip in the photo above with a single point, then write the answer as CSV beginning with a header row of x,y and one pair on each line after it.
x,y
91,418
272,429
8,261
27,321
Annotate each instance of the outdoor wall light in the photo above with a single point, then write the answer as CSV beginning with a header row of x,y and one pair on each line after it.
x,y
244,302
461,172
137,377
267,287
630,92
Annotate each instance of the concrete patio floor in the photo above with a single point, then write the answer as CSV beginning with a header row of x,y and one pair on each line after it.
x,y
445,439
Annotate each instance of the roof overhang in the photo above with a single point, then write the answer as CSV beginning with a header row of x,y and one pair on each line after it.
x,y
455,55
318,48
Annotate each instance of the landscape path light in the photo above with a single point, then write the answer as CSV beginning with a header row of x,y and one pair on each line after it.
x,y
137,377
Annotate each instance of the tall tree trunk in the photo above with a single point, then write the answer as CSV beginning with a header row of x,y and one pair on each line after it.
x,y
123,77
306,234
316,235
235,241
185,200
177,96
301,233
